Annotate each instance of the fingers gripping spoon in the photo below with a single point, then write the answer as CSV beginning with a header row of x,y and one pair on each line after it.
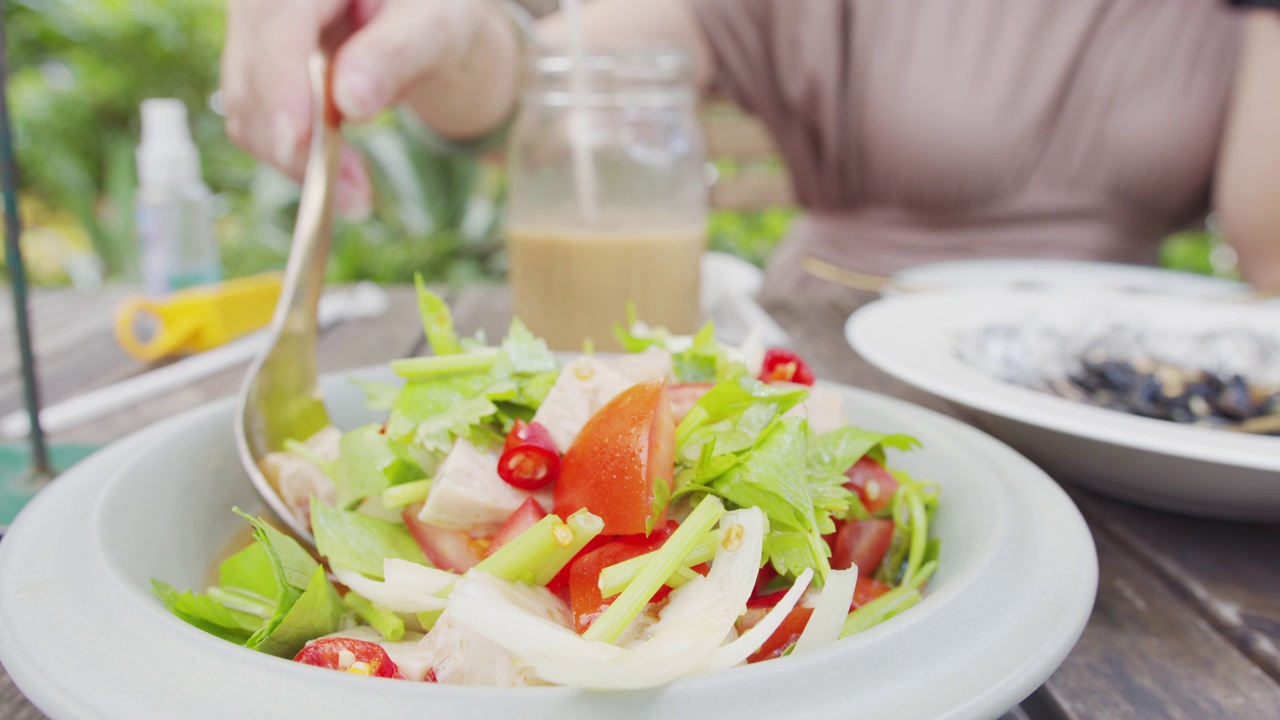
x,y
280,398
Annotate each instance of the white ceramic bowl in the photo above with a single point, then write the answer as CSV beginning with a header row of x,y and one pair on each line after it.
x,y
82,636
1166,465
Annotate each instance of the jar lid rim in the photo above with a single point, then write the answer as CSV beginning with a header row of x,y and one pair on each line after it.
x,y
642,63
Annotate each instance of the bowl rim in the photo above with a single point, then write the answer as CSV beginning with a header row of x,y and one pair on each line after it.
x,y
1066,274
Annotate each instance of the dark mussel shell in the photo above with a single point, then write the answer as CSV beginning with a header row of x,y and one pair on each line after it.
x,y
1161,391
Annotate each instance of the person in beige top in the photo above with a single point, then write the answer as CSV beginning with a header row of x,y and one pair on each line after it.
x,y
914,130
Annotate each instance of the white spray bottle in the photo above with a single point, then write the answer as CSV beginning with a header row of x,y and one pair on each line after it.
x,y
173,213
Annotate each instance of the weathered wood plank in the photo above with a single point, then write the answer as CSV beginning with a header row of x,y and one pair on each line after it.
x,y
13,705
59,320
1227,572
482,307
348,345
92,360
1145,654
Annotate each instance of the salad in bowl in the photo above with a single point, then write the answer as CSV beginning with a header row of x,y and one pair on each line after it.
x,y
606,522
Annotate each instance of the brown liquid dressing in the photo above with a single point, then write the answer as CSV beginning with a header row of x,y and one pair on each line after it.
x,y
241,540
571,285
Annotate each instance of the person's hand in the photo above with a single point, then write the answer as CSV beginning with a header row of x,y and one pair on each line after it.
x,y
399,50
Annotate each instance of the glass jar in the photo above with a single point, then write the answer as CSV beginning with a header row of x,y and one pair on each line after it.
x,y
607,197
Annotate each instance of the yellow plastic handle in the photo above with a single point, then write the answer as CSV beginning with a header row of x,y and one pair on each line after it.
x,y
198,319
169,333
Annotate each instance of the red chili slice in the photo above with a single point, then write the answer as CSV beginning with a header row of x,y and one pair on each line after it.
x,y
369,658
785,366
529,458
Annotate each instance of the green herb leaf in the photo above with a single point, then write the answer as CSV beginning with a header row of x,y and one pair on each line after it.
x,y
361,542
316,611
437,322
838,450
702,361
207,614
367,465
526,353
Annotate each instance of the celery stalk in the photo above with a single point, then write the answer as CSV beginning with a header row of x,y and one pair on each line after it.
x,y
585,527
537,554
428,619
406,493
609,626
919,533
243,601
380,618
922,575
879,610
615,578
420,368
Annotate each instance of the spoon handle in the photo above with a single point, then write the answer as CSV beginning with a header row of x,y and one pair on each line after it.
x,y
312,235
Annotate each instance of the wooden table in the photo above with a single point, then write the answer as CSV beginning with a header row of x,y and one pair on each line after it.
x,y
1187,619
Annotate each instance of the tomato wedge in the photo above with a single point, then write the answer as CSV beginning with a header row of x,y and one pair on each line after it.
x,y
684,396
358,657
874,485
866,590
785,636
525,517
862,543
451,550
584,572
618,459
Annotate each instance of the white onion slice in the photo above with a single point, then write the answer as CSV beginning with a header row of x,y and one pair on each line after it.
x,y
750,641
492,608
831,610
408,588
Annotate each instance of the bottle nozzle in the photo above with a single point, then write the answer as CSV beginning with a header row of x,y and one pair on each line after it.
x,y
166,155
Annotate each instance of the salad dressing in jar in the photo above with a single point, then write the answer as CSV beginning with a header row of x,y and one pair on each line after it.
x,y
577,259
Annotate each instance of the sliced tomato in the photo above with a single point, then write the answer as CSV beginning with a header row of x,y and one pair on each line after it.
x,y
785,636
685,396
525,517
451,550
862,543
615,463
560,583
866,590
875,485
365,658
584,572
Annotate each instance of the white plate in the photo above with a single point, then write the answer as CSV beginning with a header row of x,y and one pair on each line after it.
x,y
1166,465
1065,274
82,636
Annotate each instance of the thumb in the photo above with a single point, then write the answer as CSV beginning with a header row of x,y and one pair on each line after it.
x,y
404,40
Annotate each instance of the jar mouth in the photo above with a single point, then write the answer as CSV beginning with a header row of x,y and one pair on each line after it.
x,y
643,65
